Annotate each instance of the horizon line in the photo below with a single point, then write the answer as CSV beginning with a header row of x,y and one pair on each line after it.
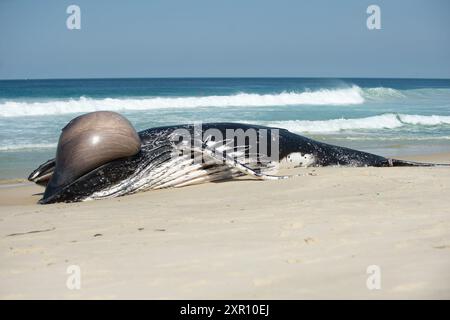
x,y
224,77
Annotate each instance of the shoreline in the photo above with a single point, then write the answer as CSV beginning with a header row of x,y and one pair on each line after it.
x,y
309,237
436,157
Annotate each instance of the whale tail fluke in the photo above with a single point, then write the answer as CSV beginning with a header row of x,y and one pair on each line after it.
x,y
406,163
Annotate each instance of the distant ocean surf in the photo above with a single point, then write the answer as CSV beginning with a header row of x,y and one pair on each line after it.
x,y
385,116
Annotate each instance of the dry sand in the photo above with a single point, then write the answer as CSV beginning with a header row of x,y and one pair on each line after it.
x,y
309,237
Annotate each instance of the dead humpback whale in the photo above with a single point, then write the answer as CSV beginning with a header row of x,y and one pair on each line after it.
x,y
100,155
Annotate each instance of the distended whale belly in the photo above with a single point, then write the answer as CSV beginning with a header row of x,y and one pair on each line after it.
x,y
100,155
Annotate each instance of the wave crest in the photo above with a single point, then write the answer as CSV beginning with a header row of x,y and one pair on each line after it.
x,y
27,146
347,96
380,93
384,121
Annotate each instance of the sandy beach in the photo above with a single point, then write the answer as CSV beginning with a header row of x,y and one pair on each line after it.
x,y
308,237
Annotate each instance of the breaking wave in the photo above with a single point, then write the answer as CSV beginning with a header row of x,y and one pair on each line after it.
x,y
384,121
27,146
346,96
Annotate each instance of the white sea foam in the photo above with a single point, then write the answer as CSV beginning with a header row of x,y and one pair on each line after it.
x,y
27,146
388,121
424,120
385,121
383,138
382,93
346,96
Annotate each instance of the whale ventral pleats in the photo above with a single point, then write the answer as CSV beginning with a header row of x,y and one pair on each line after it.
x,y
88,142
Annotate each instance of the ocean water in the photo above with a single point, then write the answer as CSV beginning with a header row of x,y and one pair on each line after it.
x,y
390,117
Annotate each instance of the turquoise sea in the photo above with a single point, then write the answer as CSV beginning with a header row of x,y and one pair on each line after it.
x,y
384,116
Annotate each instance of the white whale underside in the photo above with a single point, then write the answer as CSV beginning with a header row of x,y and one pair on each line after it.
x,y
218,164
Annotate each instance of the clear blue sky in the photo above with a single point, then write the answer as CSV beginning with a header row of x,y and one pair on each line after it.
x,y
214,38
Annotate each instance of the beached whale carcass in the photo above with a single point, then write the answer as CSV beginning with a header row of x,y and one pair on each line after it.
x,y
100,155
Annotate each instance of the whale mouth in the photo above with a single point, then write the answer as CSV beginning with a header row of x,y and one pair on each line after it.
x,y
83,186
